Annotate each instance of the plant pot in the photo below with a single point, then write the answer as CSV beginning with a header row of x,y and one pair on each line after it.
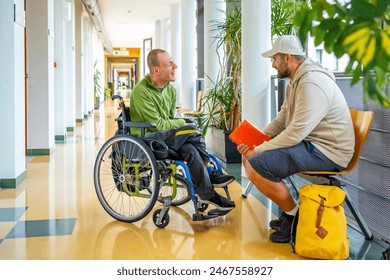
x,y
223,147
97,103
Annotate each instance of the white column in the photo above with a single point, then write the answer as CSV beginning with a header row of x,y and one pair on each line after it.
x,y
175,46
256,38
166,34
188,55
70,67
12,97
87,67
60,86
255,68
78,59
40,68
213,11
157,36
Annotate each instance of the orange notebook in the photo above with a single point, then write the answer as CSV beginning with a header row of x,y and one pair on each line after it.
x,y
247,133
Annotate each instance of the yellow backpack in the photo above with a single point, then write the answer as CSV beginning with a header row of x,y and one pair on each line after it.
x,y
320,227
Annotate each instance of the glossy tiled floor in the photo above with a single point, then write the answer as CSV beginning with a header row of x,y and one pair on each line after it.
x,y
55,214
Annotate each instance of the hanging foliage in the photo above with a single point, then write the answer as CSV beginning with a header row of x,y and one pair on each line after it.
x,y
358,28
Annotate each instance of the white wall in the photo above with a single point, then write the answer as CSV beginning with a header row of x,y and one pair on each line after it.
x,y
12,100
98,55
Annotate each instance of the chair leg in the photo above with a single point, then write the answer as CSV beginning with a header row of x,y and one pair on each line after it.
x,y
247,189
358,217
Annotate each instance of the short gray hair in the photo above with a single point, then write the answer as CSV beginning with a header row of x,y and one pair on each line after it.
x,y
152,58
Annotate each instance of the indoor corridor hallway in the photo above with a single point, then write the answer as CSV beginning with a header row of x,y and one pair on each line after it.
x,y
55,214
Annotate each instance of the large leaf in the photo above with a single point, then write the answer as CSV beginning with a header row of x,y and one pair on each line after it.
x,y
330,38
361,8
357,28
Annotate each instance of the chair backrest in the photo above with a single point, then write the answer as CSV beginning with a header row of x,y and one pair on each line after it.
x,y
361,121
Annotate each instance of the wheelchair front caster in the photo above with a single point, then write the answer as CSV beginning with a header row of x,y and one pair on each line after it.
x,y
164,220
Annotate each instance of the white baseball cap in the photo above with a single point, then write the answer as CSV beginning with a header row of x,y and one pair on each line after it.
x,y
285,44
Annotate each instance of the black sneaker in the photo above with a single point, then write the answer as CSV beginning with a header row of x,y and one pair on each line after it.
x,y
220,180
283,233
222,203
275,224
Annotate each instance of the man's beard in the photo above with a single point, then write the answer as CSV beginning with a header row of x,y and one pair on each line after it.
x,y
284,74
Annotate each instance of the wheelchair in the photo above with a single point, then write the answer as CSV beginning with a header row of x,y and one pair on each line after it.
x,y
131,175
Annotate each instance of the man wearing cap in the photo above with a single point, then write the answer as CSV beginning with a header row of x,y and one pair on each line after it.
x,y
313,131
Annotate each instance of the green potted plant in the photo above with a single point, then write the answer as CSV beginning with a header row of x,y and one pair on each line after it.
x,y
97,87
223,101
107,93
358,28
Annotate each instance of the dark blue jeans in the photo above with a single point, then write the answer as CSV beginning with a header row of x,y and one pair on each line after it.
x,y
188,145
278,164
199,174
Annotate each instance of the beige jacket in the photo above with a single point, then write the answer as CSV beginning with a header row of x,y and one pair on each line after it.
x,y
314,109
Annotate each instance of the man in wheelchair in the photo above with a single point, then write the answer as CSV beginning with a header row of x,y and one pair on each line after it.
x,y
153,100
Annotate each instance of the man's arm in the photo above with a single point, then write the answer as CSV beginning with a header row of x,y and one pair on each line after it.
x,y
147,107
277,125
311,106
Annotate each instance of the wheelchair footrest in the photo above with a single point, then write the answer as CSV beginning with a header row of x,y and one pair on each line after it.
x,y
214,213
218,212
201,217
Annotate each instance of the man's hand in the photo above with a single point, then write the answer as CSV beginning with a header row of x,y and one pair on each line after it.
x,y
245,151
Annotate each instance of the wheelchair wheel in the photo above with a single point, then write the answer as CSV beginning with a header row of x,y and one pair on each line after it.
x,y
182,193
165,220
126,178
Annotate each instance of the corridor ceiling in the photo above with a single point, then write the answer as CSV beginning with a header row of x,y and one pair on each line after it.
x,y
129,22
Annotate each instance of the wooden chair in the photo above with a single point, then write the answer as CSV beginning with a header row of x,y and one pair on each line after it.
x,y
362,121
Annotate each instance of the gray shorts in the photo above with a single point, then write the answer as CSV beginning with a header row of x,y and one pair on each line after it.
x,y
278,164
